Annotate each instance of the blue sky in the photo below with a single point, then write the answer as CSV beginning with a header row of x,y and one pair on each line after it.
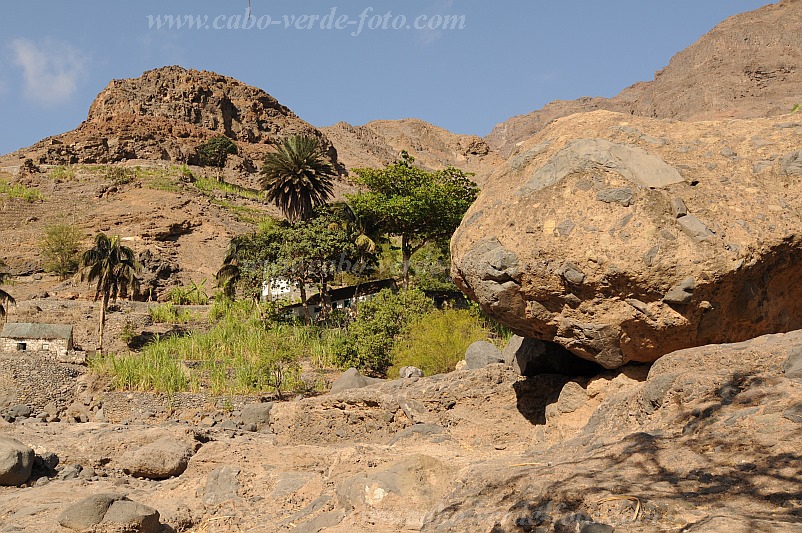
x,y
510,58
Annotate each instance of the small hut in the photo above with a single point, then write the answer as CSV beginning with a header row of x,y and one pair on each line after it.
x,y
23,337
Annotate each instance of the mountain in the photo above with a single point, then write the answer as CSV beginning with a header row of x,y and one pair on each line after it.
x,y
749,66
380,142
166,113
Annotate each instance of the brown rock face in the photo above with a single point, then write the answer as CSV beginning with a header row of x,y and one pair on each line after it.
x,y
167,112
380,142
623,239
749,66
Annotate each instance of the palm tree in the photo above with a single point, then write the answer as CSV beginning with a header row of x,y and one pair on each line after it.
x,y
113,267
5,298
297,177
230,274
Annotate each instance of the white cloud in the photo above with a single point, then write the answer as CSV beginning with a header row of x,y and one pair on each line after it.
x,y
51,69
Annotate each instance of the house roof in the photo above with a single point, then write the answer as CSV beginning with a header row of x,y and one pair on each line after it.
x,y
348,293
36,331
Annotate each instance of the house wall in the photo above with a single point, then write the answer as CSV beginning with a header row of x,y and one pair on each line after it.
x,y
55,346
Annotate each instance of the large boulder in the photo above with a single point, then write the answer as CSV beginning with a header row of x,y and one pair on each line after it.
x,y
110,512
16,462
352,379
164,458
482,353
623,238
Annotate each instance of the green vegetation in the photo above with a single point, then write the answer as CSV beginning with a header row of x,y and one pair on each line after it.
x,y
118,175
113,268
297,177
215,152
192,294
62,173
60,246
417,206
438,341
796,108
5,298
18,190
206,185
169,314
379,323
240,354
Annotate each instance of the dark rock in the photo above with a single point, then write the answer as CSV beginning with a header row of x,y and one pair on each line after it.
x,y
695,228
794,414
572,274
162,459
621,196
793,364
46,461
256,415
110,512
88,512
221,485
572,397
532,357
597,528
678,207
482,353
418,430
16,462
410,372
682,293
352,379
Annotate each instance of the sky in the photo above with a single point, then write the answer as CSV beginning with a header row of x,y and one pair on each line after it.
x,y
464,65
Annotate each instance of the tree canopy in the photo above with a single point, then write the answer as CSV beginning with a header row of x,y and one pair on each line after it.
x,y
416,205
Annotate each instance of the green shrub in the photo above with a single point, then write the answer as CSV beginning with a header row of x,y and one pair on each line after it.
x,y
169,314
60,246
119,175
18,190
438,342
62,173
378,323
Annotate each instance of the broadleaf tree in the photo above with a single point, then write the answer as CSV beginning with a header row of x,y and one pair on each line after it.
x,y
413,204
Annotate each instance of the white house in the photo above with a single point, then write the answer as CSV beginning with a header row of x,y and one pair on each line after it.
x,y
21,337
342,298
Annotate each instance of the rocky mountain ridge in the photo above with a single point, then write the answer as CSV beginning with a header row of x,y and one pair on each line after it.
x,y
749,66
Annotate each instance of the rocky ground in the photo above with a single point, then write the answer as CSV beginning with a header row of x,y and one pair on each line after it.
x,y
706,439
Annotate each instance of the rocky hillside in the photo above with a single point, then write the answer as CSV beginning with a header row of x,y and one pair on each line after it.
x,y
164,115
706,441
380,142
749,66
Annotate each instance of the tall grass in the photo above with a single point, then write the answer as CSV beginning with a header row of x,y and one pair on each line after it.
x,y
208,185
239,354
168,313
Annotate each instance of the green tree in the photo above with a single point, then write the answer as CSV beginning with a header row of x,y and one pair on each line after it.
x,y
60,246
413,204
215,152
113,268
313,251
379,323
297,177
5,298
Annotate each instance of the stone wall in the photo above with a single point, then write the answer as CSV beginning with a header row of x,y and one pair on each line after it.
x,y
36,380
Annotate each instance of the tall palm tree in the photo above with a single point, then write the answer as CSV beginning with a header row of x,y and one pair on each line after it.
x,y
113,267
5,298
297,177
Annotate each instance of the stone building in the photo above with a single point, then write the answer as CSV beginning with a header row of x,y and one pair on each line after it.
x,y
53,338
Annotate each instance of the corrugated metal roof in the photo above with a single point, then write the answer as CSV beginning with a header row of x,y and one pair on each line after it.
x,y
36,331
